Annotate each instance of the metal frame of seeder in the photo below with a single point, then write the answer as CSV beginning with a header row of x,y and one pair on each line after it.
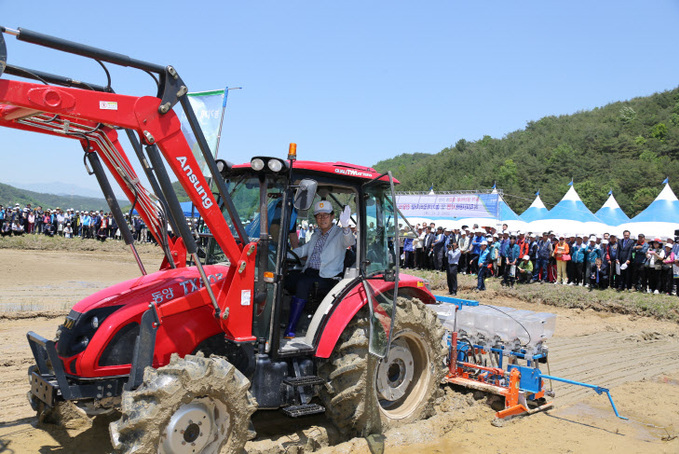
x,y
498,350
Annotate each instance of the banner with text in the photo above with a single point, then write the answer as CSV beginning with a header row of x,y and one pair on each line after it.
x,y
449,206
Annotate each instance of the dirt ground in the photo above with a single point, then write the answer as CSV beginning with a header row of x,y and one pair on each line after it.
x,y
636,358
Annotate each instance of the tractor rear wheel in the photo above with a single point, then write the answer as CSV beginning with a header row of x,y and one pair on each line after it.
x,y
368,395
192,405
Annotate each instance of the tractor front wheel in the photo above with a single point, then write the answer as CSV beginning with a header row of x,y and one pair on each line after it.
x,y
192,405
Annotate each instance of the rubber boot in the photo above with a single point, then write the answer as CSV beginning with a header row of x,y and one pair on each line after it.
x,y
296,309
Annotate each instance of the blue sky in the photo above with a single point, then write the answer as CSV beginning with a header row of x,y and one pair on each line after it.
x,y
356,81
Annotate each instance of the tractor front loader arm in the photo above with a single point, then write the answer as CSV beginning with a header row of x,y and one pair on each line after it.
x,y
92,113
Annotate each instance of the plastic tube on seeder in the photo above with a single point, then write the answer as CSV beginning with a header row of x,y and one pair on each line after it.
x,y
487,324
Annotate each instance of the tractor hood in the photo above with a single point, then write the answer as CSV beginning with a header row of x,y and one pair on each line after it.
x,y
160,287
99,333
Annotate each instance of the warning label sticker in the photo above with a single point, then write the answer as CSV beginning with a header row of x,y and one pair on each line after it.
x,y
108,105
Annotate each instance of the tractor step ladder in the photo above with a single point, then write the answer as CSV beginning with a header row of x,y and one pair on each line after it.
x,y
308,380
296,411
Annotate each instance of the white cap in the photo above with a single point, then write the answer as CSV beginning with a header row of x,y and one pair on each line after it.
x,y
526,257
483,243
592,238
322,206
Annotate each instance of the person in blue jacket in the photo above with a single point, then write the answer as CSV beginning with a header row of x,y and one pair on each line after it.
x,y
592,252
483,261
476,250
578,260
512,254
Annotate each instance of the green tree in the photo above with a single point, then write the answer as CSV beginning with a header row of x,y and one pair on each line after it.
x,y
627,114
659,131
508,174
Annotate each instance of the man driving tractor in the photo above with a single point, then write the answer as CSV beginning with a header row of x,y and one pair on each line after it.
x,y
325,252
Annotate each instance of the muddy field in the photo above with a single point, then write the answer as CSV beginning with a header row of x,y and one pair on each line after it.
x,y
637,358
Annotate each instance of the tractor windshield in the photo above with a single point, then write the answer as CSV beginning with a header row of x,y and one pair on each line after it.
x,y
245,192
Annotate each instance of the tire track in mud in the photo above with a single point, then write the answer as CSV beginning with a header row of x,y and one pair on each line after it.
x,y
15,359
47,297
608,360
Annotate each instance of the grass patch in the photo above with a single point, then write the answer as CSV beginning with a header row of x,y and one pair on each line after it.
x,y
662,307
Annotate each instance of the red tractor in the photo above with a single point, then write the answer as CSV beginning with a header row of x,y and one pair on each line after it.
x,y
186,354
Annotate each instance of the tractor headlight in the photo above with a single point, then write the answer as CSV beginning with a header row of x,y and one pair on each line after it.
x,y
275,165
257,164
79,329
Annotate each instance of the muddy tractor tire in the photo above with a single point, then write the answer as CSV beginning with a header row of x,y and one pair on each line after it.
x,y
192,405
368,395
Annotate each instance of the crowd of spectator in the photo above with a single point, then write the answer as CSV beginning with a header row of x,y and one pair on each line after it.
x,y
596,261
69,223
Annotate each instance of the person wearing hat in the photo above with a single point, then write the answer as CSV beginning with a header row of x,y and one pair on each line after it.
x,y
483,261
524,272
592,252
666,275
453,259
476,250
654,258
512,256
578,260
670,268
86,221
325,254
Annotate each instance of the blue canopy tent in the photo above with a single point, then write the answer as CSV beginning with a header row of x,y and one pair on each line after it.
x,y
536,211
508,216
569,216
659,219
611,213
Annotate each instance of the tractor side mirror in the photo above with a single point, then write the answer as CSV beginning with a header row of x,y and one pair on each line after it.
x,y
304,196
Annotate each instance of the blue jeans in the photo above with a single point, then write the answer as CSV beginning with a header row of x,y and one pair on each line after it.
x,y
540,264
483,271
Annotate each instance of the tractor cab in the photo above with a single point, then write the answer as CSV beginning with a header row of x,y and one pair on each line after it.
x,y
274,199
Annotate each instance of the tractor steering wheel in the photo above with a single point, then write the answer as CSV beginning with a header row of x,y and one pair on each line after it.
x,y
294,260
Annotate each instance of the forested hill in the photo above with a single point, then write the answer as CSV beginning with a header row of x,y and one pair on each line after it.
x,y
629,147
9,195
